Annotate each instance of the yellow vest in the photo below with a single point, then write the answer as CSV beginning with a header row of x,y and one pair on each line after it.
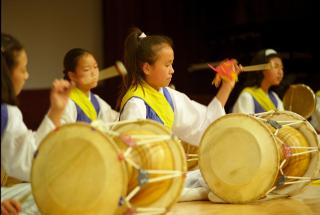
x,y
156,100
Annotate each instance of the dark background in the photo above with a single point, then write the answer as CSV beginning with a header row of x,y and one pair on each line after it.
x,y
206,31
209,31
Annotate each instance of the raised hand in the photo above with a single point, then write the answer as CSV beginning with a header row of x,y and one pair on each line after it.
x,y
227,71
59,96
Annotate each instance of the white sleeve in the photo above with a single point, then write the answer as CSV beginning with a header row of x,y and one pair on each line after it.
x,y
280,104
135,108
18,144
45,128
70,113
107,114
244,104
193,118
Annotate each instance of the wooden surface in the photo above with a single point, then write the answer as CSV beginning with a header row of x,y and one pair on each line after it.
x,y
305,203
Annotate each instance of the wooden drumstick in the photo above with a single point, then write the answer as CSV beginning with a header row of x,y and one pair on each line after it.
x,y
202,66
112,71
259,67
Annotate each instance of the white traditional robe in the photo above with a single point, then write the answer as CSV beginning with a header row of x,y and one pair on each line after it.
x,y
18,144
190,117
106,114
22,192
245,103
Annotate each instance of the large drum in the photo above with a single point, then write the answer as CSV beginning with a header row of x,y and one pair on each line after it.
x,y
90,169
244,157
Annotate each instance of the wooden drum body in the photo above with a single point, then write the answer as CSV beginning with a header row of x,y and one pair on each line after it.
x,y
244,157
156,165
135,167
77,171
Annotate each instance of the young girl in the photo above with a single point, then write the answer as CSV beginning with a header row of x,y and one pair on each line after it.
x,y
258,97
81,68
18,144
145,94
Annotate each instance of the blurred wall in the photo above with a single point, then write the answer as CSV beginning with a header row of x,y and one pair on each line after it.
x,y
48,29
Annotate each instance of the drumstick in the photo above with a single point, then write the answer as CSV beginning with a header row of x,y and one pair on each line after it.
x,y
202,66
258,67
112,71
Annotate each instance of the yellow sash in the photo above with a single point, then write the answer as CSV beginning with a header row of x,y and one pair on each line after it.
x,y
156,100
84,103
261,97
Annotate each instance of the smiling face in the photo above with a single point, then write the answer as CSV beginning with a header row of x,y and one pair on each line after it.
x,y
19,72
274,76
86,74
159,73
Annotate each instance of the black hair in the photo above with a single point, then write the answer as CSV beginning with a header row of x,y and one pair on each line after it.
x,y
8,95
71,60
10,47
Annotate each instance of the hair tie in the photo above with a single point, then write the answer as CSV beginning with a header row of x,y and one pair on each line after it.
x,y
142,35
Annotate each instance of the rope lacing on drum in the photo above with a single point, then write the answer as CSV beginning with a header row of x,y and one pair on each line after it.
x,y
288,152
132,141
287,149
283,179
144,175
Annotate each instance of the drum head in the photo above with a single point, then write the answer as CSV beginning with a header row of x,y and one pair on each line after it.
x,y
161,155
239,158
77,171
300,99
